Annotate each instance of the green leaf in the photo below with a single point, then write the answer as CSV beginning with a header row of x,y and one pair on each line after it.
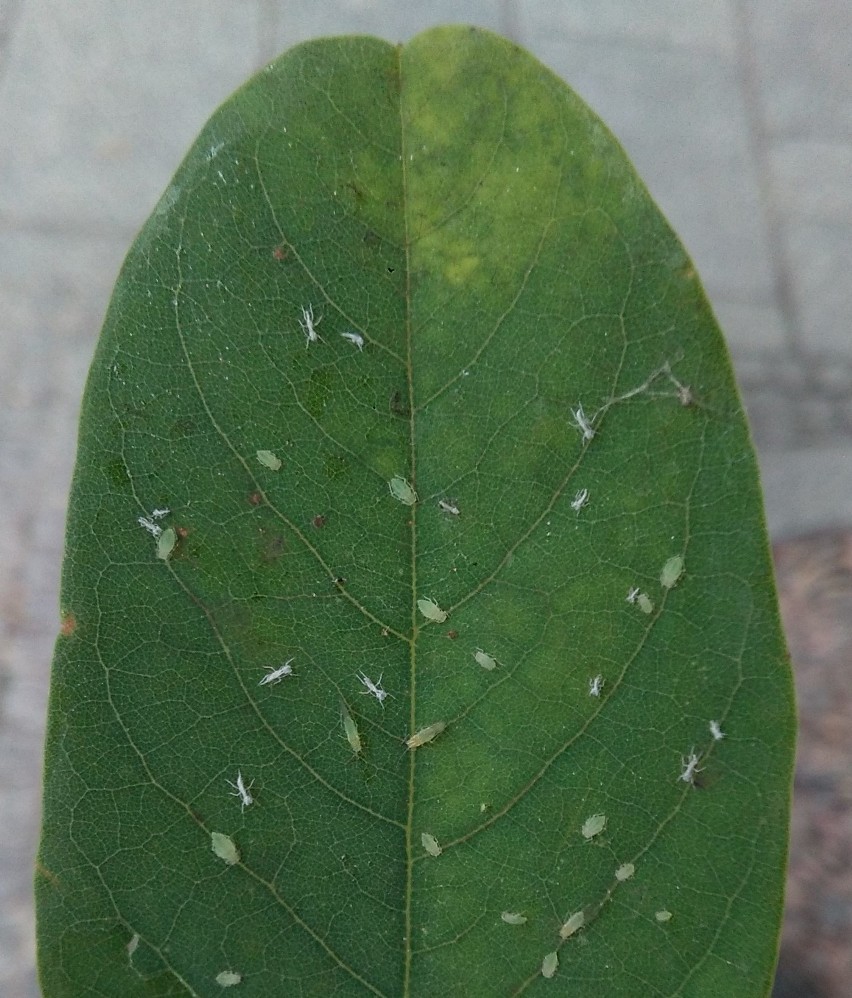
x,y
541,419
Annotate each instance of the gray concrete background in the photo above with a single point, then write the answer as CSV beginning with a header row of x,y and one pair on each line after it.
x,y
738,114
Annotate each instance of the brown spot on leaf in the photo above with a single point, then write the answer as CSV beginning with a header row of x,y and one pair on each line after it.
x,y
452,635
68,625
280,253
255,499
318,521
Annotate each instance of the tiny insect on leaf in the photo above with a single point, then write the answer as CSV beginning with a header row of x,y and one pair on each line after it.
x,y
485,660
575,922
269,460
228,978
401,489
672,571
430,844
431,611
166,543
425,735
513,918
625,871
550,964
593,826
224,847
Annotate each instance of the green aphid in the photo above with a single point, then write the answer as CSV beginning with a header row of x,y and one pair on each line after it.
x,y
575,922
166,543
269,460
351,729
550,964
401,489
430,844
672,571
593,826
225,848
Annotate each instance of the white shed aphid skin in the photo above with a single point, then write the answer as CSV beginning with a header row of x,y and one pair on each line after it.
x,y
166,543
430,844
158,514
355,338
225,848
425,735
513,918
431,611
690,768
625,872
276,675
716,731
449,507
583,424
596,685
672,571
309,324
550,964
580,500
148,524
242,791
593,826
645,604
662,916
632,594
269,460
485,660
373,689
228,978
350,729
575,922
401,490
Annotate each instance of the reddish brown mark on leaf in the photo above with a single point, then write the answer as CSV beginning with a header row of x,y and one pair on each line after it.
x,y
255,499
280,253
318,521
452,635
68,625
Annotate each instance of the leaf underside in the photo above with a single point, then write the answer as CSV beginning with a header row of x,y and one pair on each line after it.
x,y
531,353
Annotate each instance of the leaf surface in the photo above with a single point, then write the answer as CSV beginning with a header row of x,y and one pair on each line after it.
x,y
386,271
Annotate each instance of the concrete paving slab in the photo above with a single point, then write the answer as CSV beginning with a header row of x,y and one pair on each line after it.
x,y
708,26
803,53
820,255
680,116
103,99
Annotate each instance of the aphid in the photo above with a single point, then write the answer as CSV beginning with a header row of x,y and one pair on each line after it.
x,y
672,571
224,847
400,489
716,731
632,595
166,543
662,916
513,918
148,524
228,978
645,605
350,728
431,611
242,791
269,460
430,844
375,689
485,660
596,685
684,395
133,945
593,826
582,423
355,338
276,675
575,922
424,735
308,324
449,507
580,500
625,872
550,964
690,768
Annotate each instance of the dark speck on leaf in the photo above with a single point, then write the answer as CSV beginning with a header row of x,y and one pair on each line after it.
x,y
452,635
318,521
255,499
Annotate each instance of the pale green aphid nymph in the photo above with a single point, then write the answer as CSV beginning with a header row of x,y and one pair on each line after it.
x,y
431,611
401,489
269,460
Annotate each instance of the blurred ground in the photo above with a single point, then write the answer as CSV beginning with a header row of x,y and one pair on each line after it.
x,y
738,114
